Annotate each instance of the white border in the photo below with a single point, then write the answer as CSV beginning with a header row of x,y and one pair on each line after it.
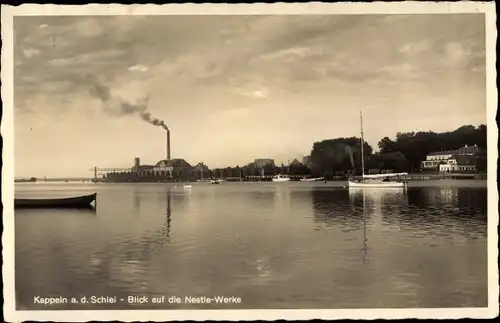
x,y
244,9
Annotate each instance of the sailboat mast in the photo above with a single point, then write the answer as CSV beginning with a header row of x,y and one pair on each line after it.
x,y
362,144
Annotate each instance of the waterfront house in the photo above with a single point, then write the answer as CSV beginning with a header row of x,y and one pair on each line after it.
x,y
460,160
459,163
433,160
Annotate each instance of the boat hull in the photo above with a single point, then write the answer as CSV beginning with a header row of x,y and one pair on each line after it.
x,y
78,202
376,185
281,179
312,179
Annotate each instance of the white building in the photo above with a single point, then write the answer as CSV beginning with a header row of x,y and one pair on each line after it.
x,y
461,160
433,160
459,163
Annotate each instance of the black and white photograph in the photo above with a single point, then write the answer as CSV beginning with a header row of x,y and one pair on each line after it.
x,y
249,161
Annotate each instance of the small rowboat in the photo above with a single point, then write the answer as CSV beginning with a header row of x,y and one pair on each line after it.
x,y
78,202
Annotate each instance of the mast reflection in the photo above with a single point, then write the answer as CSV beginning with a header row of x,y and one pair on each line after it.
x,y
137,200
165,232
365,237
373,201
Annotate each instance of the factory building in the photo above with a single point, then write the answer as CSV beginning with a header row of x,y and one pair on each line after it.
x,y
175,169
263,162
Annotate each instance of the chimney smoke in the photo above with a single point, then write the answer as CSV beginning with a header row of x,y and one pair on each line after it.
x,y
116,105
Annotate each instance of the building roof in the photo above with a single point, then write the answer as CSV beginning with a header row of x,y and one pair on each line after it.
x,y
443,153
260,162
143,167
295,162
176,162
200,165
468,150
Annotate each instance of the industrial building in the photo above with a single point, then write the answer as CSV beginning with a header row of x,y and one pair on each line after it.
x,y
169,169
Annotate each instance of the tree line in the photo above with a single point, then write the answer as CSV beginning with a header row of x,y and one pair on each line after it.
x,y
339,156
404,154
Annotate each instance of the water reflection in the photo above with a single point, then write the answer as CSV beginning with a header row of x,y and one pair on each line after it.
x,y
137,199
276,246
263,198
149,240
338,207
468,201
128,262
376,205
56,212
165,232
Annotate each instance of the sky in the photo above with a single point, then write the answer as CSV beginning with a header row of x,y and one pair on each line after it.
x,y
234,88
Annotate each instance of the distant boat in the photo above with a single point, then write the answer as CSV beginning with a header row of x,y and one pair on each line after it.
x,y
78,202
312,179
187,186
376,180
214,181
281,178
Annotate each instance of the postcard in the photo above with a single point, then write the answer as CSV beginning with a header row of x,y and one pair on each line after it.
x,y
249,161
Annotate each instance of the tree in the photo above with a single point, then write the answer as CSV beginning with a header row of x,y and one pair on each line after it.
x,y
415,146
330,155
386,145
269,170
395,161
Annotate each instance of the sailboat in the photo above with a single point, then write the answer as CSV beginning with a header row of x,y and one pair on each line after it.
x,y
214,179
375,180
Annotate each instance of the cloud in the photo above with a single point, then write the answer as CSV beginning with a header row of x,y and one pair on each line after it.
x,y
456,55
261,94
139,68
247,58
402,70
417,47
30,52
97,57
289,54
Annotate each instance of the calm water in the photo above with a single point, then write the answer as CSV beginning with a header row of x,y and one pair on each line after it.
x,y
274,245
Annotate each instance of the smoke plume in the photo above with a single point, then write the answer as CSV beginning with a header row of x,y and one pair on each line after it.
x,y
118,106
349,151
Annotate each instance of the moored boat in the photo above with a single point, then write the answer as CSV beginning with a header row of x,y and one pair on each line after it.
x,y
77,202
375,180
281,178
314,179
378,181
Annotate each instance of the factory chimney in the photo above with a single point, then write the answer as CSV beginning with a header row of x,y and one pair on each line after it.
x,y
168,144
